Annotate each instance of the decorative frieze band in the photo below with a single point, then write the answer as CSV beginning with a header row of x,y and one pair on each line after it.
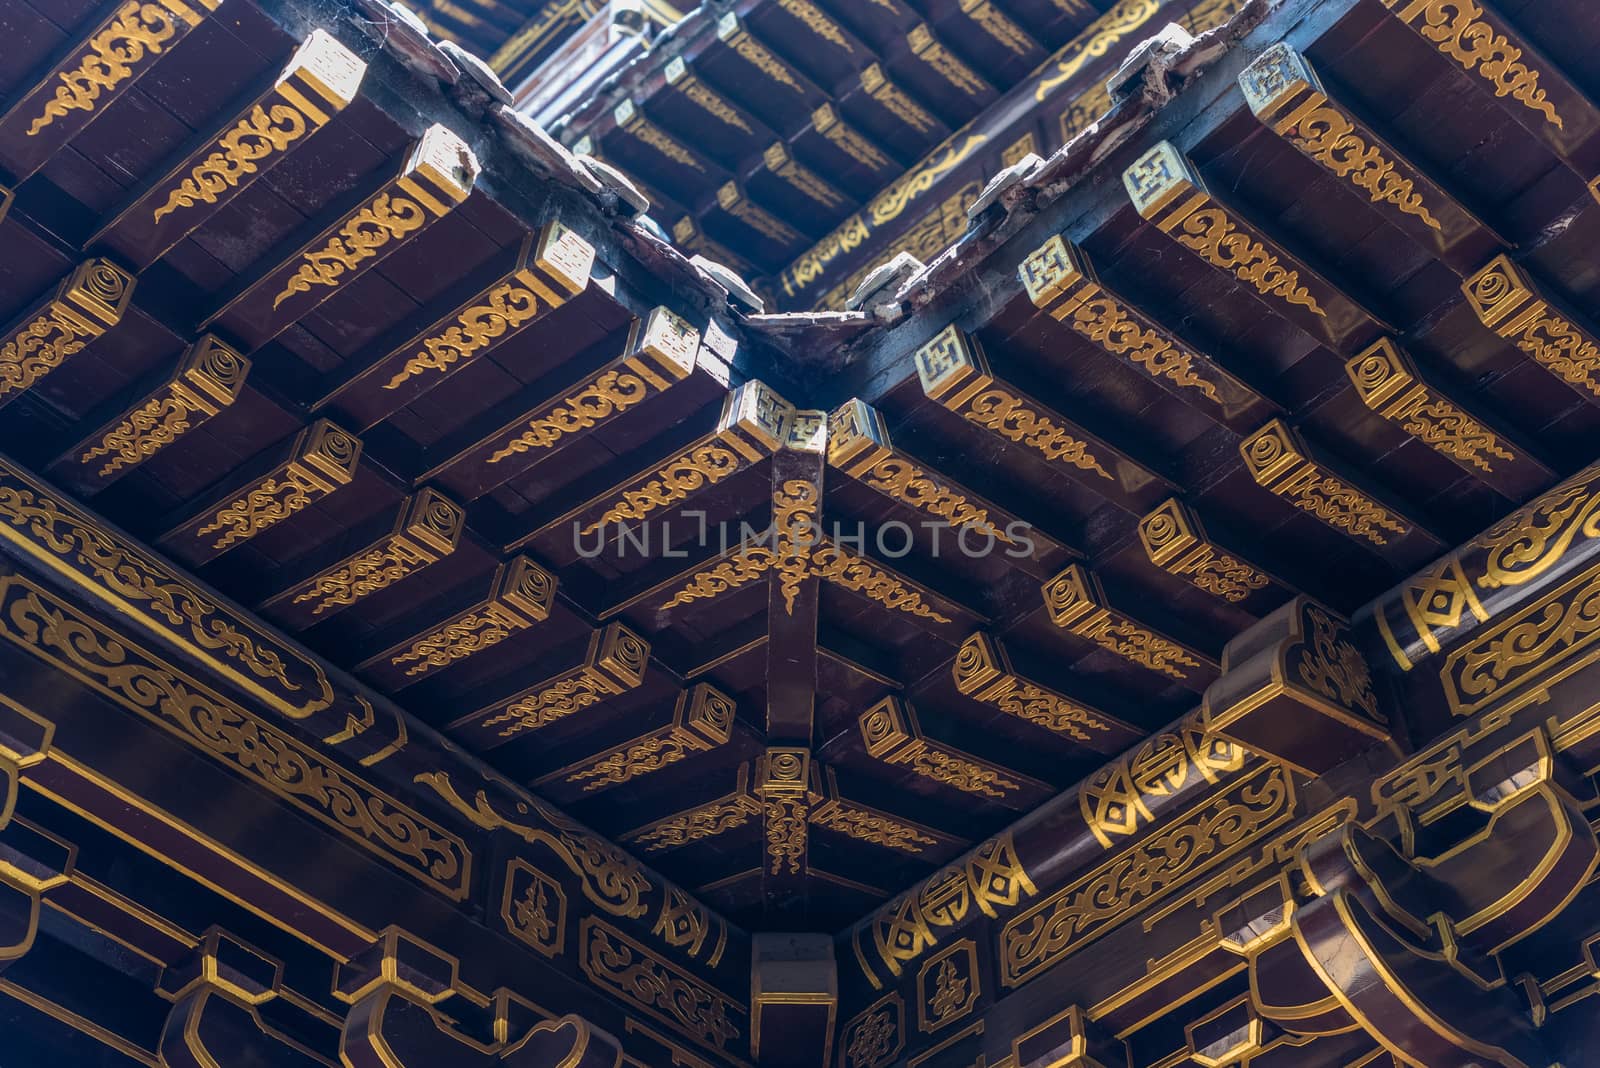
x,y
88,302
891,734
426,530
438,174
1077,603
321,460
321,78
209,378
615,663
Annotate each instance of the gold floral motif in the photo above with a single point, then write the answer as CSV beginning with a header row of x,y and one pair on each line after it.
x,y
1332,666
1118,800
905,481
785,819
949,992
873,1039
612,879
1458,30
701,466
611,394
374,570
107,661
265,505
534,908
1330,138
713,104
794,522
620,966
1073,916
1008,416
844,569
208,379
506,308
944,62
650,134
387,218
1071,609
1213,236
254,138
1445,428
139,31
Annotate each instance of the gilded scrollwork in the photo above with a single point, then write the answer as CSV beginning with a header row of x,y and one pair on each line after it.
x,y
873,827
698,467
1524,546
263,506
874,1038
1458,29
1215,238
1068,919
239,152
1102,35
459,639
1117,801
386,218
1009,416
785,820
51,630
137,34
1108,324
505,308
611,394
1329,137
622,967
611,879
1331,665
905,481
706,821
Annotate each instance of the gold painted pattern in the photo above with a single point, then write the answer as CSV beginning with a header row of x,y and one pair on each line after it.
x,y
1278,464
87,304
209,379
136,36
1007,415
387,218
1119,799
706,821
1326,135
814,20
625,969
1073,599
1504,299
611,394
1331,665
623,655
1097,40
785,823
1524,546
991,877
845,569
925,239
1213,236
875,1037
754,53
700,466
1458,30
1174,541
702,720
460,639
982,671
847,139
650,134
239,152
611,879
122,670
534,908
906,482
1381,376
895,100
998,25
321,449
891,734
713,105
146,590
507,307
737,571
870,826
1070,918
